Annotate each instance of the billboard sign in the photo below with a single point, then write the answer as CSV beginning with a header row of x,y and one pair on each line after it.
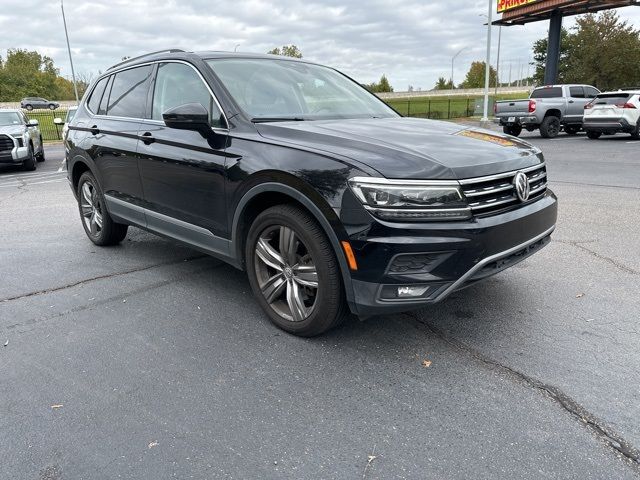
x,y
506,5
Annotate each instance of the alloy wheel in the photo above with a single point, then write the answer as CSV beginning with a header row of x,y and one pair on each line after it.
x,y
91,208
286,273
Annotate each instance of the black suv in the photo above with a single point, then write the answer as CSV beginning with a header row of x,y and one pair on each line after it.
x,y
290,170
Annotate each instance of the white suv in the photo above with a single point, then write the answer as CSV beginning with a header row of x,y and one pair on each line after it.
x,y
613,112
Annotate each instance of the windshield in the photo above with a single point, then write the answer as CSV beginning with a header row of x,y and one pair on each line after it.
x,y
272,90
9,118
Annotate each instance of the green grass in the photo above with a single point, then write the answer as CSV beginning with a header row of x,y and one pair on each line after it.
x,y
443,107
49,130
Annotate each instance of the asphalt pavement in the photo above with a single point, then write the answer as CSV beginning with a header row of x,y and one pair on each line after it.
x,y
149,360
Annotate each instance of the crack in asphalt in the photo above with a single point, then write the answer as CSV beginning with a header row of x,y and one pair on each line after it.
x,y
603,431
593,253
21,189
107,300
100,277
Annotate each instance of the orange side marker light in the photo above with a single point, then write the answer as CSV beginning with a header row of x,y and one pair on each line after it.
x,y
351,258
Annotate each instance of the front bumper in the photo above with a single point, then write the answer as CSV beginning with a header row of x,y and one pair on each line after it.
x,y
441,258
15,156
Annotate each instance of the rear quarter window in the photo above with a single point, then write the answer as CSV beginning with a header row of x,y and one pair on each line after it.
x,y
547,92
94,101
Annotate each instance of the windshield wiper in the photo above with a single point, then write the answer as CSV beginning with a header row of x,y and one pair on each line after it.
x,y
276,119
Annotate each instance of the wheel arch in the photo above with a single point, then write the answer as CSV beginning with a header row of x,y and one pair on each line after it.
x,y
554,112
265,195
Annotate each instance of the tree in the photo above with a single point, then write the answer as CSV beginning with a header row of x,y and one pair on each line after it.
x,y
287,51
29,74
443,84
601,50
382,86
476,76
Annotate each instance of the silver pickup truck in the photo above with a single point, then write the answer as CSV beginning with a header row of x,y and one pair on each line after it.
x,y
548,108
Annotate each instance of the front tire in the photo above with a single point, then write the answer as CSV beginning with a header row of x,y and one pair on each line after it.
x,y
593,135
293,272
29,107
41,154
550,127
514,130
52,106
96,221
30,163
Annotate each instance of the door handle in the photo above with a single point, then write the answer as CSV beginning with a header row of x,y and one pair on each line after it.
x,y
147,138
571,101
94,130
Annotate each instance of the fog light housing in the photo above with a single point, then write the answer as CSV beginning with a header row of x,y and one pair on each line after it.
x,y
411,291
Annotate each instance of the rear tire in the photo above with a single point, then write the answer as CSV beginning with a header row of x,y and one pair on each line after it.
x,y
29,107
513,130
550,127
636,132
293,272
96,221
593,135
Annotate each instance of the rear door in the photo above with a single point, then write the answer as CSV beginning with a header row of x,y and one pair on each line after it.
x,y
113,135
183,172
576,101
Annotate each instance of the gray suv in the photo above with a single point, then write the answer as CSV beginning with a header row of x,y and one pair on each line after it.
x,y
31,103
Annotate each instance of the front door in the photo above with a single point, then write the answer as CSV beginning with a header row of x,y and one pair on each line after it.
x,y
182,171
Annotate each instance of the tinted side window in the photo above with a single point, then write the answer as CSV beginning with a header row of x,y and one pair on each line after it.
x,y
96,95
178,84
545,92
590,92
102,110
576,92
128,96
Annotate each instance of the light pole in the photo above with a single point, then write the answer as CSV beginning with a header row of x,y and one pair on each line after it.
x,y
498,61
453,59
487,69
73,73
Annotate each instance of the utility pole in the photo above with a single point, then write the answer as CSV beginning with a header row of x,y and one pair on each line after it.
x,y
485,116
73,73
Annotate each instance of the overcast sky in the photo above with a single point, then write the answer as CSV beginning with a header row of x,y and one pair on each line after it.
x,y
411,41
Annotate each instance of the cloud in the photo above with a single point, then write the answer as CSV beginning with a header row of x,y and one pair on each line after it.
x,y
410,41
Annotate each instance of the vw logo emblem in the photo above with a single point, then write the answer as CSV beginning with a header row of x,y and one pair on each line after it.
x,y
521,184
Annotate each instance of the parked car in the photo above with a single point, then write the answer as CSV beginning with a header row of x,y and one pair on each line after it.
x,y
290,170
548,108
31,103
65,123
20,140
613,112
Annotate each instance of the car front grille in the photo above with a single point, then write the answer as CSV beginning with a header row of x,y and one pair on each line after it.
x,y
495,193
6,143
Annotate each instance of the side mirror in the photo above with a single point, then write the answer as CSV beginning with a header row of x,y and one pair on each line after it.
x,y
58,121
33,123
190,116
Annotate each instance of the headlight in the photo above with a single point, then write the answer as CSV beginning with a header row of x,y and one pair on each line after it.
x,y
411,200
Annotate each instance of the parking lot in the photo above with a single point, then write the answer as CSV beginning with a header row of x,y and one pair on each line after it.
x,y
150,360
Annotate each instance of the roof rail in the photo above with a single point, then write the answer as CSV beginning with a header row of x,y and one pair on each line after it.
x,y
166,50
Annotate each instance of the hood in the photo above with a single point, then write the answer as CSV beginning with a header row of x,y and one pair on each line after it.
x,y
410,148
12,130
